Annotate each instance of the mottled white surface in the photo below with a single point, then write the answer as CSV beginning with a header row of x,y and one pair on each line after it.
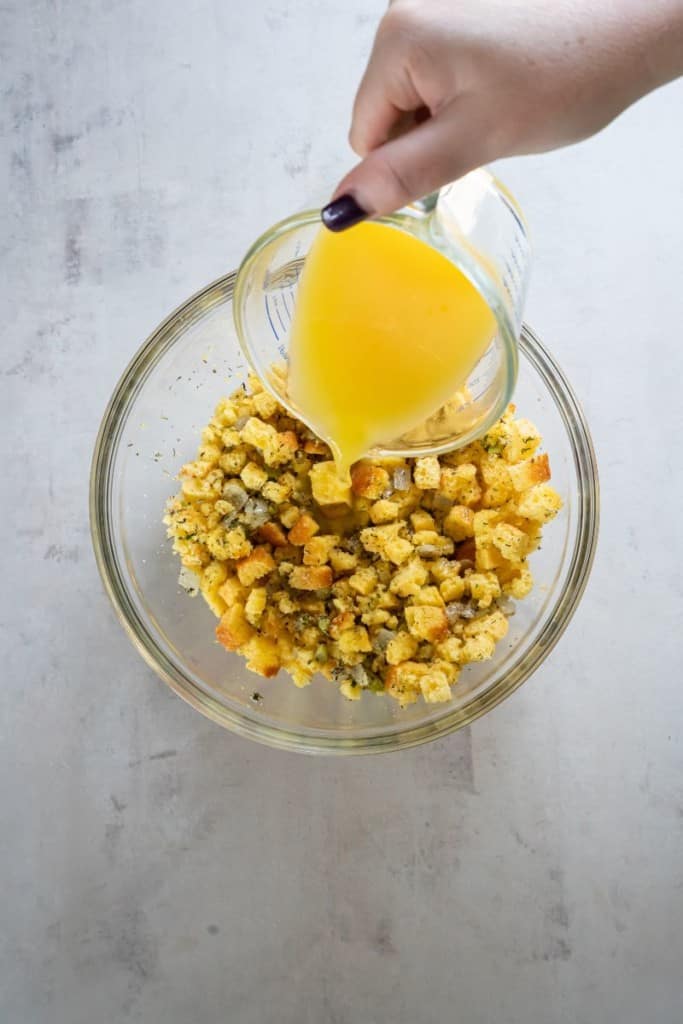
x,y
155,868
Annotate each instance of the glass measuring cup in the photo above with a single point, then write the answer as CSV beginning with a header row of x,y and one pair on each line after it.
x,y
474,222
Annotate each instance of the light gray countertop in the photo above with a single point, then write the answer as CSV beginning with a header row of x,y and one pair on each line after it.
x,y
155,868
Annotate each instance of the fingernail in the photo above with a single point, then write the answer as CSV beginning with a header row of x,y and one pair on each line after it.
x,y
342,213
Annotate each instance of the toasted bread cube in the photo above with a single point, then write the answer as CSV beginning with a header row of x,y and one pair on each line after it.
x,y
259,564
233,631
488,557
262,656
304,577
452,588
226,412
363,581
317,550
258,434
460,484
303,530
232,591
427,473
253,476
227,545
398,550
282,449
427,623
375,617
497,480
512,543
402,682
477,648
401,648
328,489
435,687
354,641
265,405
430,537
541,503
450,649
495,624
256,604
484,588
211,595
428,596
524,440
272,533
375,538
231,438
289,515
276,491
521,584
343,561
369,481
233,461
384,511
407,580
526,474
422,520
459,523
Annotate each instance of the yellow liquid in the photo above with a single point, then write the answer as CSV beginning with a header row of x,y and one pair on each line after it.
x,y
386,329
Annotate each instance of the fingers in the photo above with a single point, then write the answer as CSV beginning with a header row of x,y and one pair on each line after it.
x,y
436,152
385,94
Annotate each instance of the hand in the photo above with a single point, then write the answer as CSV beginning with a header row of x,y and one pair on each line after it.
x,y
454,84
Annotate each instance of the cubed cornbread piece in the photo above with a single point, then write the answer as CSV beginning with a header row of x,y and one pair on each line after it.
x,y
460,484
402,682
303,530
343,561
233,630
328,489
484,588
262,656
533,471
265,405
428,596
272,533
363,581
228,545
427,473
541,503
521,584
400,648
317,551
435,688
523,442
304,577
407,580
427,622
422,520
459,523
257,565
256,604
450,649
477,648
253,476
384,511
354,641
495,624
368,480
232,591
512,543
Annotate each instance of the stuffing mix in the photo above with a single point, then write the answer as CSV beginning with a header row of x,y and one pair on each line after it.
x,y
390,584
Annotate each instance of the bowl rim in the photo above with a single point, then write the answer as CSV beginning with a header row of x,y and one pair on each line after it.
x,y
582,555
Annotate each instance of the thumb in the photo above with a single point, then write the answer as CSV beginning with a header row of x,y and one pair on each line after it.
x,y
436,152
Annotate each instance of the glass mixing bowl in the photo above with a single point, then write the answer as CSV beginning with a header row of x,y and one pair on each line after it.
x,y
152,425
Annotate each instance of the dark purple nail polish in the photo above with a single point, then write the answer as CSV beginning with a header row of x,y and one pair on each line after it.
x,y
342,213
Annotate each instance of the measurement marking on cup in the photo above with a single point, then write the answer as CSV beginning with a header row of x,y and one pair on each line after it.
x,y
270,319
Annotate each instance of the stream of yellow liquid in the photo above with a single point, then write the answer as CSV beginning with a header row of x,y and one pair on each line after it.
x,y
385,330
